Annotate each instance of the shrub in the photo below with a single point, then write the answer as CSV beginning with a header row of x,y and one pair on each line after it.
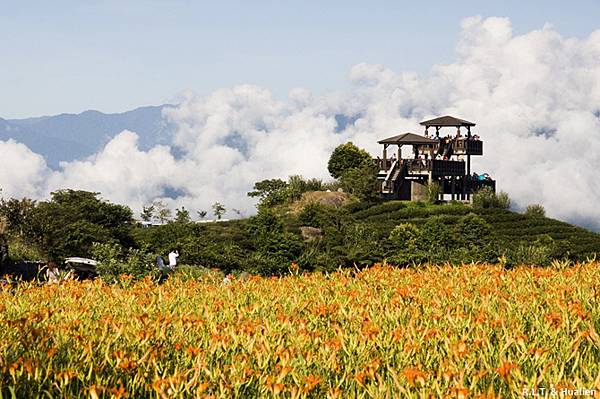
x,y
361,243
475,241
536,210
225,255
361,182
405,238
331,186
189,272
312,215
433,192
114,261
472,230
539,253
275,247
274,192
405,234
297,186
487,198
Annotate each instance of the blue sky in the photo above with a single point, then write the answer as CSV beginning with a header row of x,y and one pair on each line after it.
x,y
69,56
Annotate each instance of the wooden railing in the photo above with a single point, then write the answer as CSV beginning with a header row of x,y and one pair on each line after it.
x,y
461,146
437,167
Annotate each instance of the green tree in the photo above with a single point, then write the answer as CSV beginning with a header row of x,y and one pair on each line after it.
x,y
72,220
201,214
147,213
345,157
182,215
17,214
218,210
270,192
275,247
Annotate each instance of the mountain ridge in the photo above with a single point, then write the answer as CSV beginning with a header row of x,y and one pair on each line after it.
x,y
67,137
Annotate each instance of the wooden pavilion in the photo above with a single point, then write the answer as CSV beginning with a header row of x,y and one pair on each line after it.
x,y
445,160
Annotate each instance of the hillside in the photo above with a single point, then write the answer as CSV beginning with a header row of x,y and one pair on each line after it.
x,y
359,234
510,228
324,231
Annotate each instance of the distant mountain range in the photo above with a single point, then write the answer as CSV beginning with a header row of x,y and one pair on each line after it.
x,y
67,137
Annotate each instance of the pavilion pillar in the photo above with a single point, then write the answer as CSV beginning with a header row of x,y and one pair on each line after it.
x,y
469,175
453,188
385,157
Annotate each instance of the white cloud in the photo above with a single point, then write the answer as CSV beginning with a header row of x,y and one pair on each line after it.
x,y
121,172
22,172
535,98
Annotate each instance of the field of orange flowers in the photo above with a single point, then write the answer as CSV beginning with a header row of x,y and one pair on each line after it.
x,y
470,331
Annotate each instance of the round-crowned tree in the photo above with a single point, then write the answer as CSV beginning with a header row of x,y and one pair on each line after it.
x,y
345,157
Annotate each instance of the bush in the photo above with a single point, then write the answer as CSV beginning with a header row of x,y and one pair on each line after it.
x,y
275,247
361,242
472,231
270,192
405,238
226,256
433,192
333,185
540,253
536,210
345,157
297,186
313,215
361,182
114,261
20,250
475,241
487,198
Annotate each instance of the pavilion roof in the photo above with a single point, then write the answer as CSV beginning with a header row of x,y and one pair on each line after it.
x,y
408,138
447,120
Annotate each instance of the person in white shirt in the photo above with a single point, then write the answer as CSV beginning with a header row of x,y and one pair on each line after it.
x,y
173,255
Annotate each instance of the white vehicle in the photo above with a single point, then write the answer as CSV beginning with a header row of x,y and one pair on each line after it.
x,y
82,267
